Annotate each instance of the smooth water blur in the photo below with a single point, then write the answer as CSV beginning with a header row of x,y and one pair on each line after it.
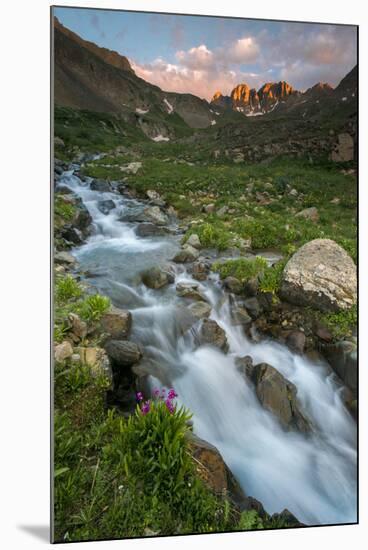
x,y
313,476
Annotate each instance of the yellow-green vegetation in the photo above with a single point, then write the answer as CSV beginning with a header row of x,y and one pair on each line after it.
x,y
71,297
190,180
241,268
342,323
116,477
244,269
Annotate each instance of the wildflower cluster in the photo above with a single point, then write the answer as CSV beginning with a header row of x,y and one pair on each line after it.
x,y
164,396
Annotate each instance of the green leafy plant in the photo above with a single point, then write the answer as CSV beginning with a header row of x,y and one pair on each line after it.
x,y
67,288
241,268
93,307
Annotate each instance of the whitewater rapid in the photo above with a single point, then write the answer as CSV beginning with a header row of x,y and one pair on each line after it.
x,y
314,475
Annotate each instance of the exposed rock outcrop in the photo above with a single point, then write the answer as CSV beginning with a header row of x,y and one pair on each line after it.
x,y
322,275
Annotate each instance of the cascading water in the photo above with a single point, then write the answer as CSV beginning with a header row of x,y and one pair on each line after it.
x,y
314,475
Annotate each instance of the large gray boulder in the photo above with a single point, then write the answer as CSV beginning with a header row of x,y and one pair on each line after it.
x,y
322,275
278,395
155,215
117,323
157,277
123,352
212,334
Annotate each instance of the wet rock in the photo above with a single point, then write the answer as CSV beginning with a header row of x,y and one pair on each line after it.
x,y
150,230
251,287
194,241
240,316
253,307
71,234
212,334
323,333
200,270
189,290
106,206
63,351
309,214
82,219
64,258
296,340
210,465
186,254
123,352
322,275
63,189
278,395
155,215
117,323
245,365
157,278
200,310
343,358
101,186
233,285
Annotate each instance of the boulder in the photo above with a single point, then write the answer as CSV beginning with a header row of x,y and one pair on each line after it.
x,y
82,219
240,316
253,307
186,254
149,230
63,351
157,278
321,275
194,241
200,270
131,168
233,285
296,340
117,323
343,358
64,258
212,334
245,365
98,361
153,195
200,310
78,328
309,214
71,234
278,395
155,215
222,211
209,208
343,150
189,290
106,206
123,352
101,186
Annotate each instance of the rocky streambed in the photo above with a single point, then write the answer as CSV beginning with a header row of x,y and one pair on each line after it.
x,y
254,373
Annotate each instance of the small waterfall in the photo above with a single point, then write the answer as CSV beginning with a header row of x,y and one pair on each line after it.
x,y
313,475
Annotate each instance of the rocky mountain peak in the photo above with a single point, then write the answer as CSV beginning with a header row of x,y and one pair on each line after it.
x,y
217,95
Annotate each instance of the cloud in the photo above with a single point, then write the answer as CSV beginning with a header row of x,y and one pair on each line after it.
x,y
300,53
196,58
244,50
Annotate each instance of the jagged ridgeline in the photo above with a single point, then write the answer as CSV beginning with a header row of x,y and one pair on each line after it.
x,y
205,304
100,91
